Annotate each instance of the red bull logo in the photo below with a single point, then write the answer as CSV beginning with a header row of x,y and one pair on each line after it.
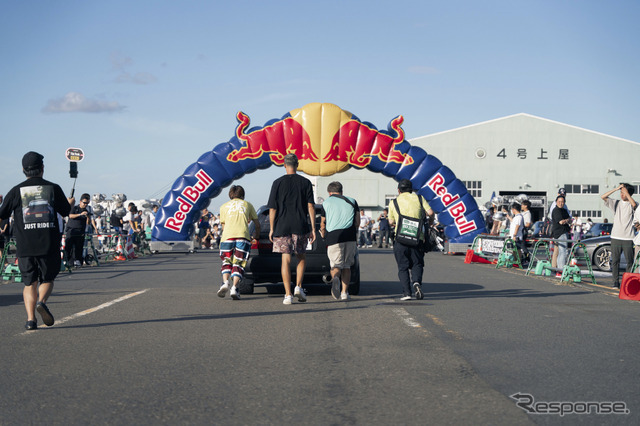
x,y
320,131
187,200
277,140
452,204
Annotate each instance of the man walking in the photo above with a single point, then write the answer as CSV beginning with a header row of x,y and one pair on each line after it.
x,y
363,236
79,218
339,224
383,228
35,204
622,231
409,258
290,208
235,247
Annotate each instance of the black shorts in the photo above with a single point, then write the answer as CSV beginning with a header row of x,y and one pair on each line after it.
x,y
42,269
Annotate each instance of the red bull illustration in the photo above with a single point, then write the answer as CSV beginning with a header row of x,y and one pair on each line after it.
x,y
327,140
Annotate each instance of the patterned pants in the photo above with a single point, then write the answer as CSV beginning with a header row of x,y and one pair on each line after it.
x,y
234,253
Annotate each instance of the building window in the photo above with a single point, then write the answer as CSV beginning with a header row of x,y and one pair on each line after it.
x,y
388,199
582,189
593,214
474,187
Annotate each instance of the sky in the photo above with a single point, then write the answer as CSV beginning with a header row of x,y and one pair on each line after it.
x,y
146,87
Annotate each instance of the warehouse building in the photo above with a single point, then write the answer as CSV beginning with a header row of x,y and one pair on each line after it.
x,y
518,154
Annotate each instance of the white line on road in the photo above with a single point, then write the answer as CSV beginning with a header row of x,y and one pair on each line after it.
x,y
404,315
95,309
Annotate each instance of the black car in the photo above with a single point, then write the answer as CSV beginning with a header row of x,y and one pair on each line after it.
x,y
263,266
38,211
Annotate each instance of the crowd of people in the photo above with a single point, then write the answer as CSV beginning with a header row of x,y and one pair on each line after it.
x,y
343,225
38,216
563,227
38,206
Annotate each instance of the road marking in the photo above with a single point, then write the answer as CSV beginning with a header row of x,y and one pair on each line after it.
x,y
404,316
437,321
92,310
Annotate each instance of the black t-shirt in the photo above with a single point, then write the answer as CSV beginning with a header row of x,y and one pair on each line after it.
x,y
290,196
35,204
78,225
557,229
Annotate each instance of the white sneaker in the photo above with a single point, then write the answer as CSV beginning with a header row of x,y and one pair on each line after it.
x,y
287,300
235,294
345,296
223,290
405,298
300,294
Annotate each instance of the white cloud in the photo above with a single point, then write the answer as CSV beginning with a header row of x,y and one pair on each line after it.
x,y
122,63
137,78
76,102
423,70
119,61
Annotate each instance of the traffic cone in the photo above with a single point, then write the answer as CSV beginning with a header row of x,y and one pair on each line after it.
x,y
120,250
630,286
471,257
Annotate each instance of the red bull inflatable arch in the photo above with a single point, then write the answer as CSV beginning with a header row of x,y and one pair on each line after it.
x,y
327,140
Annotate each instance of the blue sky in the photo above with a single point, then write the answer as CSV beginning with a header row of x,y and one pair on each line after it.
x,y
146,87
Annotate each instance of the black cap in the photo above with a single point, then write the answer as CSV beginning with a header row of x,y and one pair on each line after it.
x,y
405,185
32,160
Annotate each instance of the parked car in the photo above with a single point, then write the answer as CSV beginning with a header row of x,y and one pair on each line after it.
x,y
536,230
38,211
263,266
599,251
598,230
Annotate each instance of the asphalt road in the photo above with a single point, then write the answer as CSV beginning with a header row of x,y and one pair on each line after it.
x,y
149,342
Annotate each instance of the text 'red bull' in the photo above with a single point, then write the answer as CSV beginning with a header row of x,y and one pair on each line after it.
x,y
187,199
452,203
278,139
356,143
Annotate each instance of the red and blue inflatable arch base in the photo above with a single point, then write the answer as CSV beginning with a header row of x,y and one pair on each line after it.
x,y
342,142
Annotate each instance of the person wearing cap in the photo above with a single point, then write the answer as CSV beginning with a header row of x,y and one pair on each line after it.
x,y
292,220
410,260
35,204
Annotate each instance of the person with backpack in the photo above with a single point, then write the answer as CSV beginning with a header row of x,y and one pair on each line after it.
x,y
339,226
622,231
409,212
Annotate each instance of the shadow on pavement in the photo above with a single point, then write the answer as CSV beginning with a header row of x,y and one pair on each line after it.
x,y
465,291
208,317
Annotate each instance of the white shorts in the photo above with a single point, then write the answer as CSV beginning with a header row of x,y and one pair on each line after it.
x,y
342,255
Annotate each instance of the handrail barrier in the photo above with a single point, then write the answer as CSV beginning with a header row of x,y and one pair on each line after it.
x,y
503,251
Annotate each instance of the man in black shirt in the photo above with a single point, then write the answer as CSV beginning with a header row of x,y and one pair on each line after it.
x,y
290,204
79,218
35,204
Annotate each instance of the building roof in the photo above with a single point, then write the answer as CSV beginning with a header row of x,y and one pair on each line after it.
x,y
527,116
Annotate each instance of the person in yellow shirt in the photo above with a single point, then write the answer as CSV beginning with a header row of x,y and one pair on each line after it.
x,y
410,259
235,243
